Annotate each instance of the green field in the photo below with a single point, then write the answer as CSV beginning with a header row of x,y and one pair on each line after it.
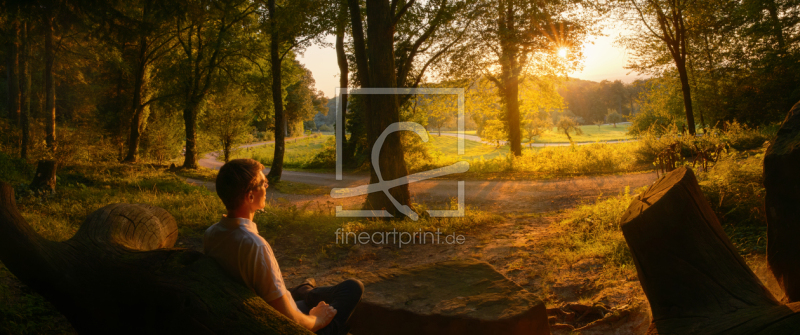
x,y
591,133
297,153
447,147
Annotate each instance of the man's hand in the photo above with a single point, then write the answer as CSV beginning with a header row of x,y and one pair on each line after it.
x,y
324,314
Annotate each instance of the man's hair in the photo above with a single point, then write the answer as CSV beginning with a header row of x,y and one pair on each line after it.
x,y
235,179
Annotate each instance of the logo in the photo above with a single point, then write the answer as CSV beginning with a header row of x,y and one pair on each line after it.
x,y
385,185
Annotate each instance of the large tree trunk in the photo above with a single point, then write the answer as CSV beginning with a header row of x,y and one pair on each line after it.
x,y
510,76
276,169
190,122
120,274
12,69
25,90
50,88
383,110
692,275
137,108
782,184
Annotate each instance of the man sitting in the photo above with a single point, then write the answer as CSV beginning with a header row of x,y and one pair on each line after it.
x,y
235,244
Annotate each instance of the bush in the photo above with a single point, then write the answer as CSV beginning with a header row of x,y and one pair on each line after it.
x,y
735,190
651,122
741,137
325,128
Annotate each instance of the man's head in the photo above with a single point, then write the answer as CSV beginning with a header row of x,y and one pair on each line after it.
x,y
241,182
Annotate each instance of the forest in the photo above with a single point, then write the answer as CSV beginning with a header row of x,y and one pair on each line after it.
x,y
583,201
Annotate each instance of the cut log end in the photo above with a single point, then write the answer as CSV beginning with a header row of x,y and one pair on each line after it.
x,y
692,275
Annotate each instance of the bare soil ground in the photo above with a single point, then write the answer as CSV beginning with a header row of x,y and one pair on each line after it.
x,y
576,296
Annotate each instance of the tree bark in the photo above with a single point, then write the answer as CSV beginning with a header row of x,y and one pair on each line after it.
x,y
510,71
50,88
45,179
687,95
137,108
12,70
692,275
782,184
382,109
24,90
120,274
190,123
344,73
276,169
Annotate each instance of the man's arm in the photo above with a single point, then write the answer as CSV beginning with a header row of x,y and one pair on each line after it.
x,y
319,316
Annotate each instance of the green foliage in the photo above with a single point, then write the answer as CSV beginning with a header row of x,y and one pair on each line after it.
x,y
535,127
614,117
741,137
735,190
495,131
567,124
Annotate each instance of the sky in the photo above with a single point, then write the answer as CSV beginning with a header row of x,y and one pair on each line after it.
x,y
602,60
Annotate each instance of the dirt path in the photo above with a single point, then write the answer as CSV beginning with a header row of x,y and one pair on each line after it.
x,y
515,196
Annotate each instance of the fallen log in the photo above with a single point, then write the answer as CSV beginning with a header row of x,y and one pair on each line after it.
x,y
120,274
692,275
782,204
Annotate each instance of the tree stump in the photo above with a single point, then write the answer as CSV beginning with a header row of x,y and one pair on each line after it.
x,y
692,275
782,201
120,274
45,179
453,297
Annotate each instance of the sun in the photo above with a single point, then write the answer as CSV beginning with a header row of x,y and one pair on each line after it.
x,y
562,52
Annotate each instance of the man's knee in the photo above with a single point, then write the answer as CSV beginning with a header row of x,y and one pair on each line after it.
x,y
353,285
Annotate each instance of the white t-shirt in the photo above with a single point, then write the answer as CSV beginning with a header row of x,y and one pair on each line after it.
x,y
235,244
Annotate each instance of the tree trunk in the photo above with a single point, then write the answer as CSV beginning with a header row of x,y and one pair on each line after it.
x,y
782,184
687,96
24,90
120,274
344,73
692,275
510,76
382,109
45,179
276,169
50,88
190,122
137,108
13,74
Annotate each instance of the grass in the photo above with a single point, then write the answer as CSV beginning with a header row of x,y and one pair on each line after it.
x,y
734,190
486,160
592,231
84,188
447,147
591,133
298,151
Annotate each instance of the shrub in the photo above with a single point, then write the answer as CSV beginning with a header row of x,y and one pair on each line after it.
x,y
325,128
741,137
735,190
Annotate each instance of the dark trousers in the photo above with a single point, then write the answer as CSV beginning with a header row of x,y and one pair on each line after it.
x,y
343,297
